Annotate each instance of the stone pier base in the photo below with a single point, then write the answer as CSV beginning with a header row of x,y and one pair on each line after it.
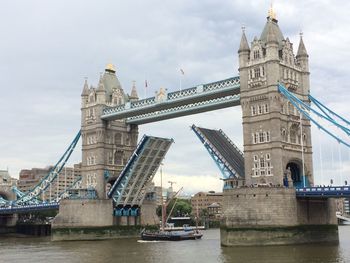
x,y
274,216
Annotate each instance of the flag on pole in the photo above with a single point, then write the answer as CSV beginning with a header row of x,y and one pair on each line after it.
x,y
146,84
182,71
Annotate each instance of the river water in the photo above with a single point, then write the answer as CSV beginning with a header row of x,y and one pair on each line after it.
x,y
39,249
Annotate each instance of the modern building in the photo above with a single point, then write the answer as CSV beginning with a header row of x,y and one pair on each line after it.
x,y
202,200
28,179
6,179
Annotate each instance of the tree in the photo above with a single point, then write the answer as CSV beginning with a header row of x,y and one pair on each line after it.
x,y
182,208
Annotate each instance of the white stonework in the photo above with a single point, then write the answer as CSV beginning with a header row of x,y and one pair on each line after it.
x,y
106,145
271,125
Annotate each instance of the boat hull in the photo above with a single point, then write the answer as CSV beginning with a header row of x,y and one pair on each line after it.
x,y
170,236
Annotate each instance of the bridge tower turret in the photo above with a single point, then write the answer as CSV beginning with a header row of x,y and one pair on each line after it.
x,y
271,125
106,145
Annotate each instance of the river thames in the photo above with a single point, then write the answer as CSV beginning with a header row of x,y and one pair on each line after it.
x,y
29,249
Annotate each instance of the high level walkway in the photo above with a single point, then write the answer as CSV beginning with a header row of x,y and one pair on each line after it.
x,y
211,96
224,152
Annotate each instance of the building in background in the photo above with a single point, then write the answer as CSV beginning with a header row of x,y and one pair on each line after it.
x,y
6,179
202,201
28,179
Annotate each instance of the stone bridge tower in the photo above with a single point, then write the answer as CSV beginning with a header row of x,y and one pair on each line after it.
x,y
106,145
271,125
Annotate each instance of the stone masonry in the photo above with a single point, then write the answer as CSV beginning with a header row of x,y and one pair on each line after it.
x,y
271,125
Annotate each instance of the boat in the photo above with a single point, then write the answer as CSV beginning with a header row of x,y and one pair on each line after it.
x,y
170,235
163,235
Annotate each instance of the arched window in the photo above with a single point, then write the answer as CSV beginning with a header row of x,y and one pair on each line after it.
x,y
118,138
118,158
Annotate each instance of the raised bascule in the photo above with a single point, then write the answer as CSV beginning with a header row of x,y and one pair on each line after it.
x,y
269,192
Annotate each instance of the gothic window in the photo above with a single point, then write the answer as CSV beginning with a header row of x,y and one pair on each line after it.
x,y
268,136
290,108
266,108
256,137
261,137
293,135
284,135
253,110
263,71
256,54
260,109
255,158
118,158
110,158
256,72
118,138
267,156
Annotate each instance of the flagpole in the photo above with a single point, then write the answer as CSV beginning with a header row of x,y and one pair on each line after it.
x,y
181,75
180,82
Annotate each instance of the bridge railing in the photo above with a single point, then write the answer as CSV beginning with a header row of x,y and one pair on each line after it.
x,y
333,191
175,96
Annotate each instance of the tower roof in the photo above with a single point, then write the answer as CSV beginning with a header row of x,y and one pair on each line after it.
x,y
301,49
243,46
271,32
85,89
110,80
133,94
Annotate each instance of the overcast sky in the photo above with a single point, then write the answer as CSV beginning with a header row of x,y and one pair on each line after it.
x,y
47,48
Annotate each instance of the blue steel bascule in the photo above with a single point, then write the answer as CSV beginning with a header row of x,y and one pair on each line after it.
x,y
130,178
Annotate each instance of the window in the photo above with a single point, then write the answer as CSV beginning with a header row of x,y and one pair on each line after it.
x,y
261,137
268,136
267,156
266,108
255,137
253,110
255,158
256,72
256,54
260,110
118,138
118,158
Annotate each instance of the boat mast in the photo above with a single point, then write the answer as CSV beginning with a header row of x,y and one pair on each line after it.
x,y
162,198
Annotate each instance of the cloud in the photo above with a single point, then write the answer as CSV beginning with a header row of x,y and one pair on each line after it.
x,y
48,47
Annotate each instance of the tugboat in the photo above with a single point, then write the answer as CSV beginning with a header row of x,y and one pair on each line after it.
x,y
162,235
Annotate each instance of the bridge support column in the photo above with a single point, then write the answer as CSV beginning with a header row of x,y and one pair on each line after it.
x,y
273,216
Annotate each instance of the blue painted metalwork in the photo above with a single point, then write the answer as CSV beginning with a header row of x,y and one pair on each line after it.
x,y
14,209
129,188
117,187
324,192
220,94
48,179
303,107
226,170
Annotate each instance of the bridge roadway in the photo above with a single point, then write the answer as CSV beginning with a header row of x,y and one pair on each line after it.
x,y
29,208
211,96
224,152
323,192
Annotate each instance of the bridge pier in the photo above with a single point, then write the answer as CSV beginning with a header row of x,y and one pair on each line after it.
x,y
274,216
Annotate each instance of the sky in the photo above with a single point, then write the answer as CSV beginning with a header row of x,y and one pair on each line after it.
x,y
47,48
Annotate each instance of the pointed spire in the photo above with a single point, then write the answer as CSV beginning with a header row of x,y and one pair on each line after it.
x,y
133,94
243,46
101,87
301,49
271,36
85,89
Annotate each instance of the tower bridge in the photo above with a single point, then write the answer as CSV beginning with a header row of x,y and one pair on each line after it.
x,y
269,196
